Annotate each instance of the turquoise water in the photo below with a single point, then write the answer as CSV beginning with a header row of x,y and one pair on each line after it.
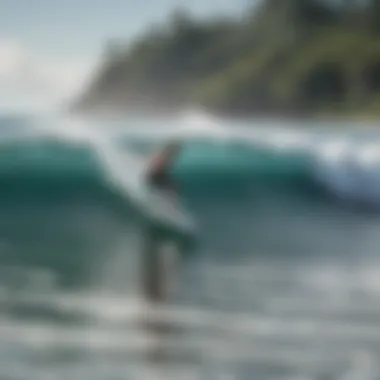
x,y
282,285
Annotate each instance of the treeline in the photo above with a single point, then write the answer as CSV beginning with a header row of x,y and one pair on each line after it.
x,y
286,57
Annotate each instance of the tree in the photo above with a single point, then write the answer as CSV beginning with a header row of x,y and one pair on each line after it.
x,y
180,21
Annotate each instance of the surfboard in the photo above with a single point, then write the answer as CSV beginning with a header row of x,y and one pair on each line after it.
x,y
162,212
159,211
166,217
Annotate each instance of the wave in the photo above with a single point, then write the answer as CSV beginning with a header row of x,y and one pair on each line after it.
x,y
343,164
216,154
66,192
216,160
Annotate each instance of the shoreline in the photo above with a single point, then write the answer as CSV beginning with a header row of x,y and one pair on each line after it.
x,y
166,113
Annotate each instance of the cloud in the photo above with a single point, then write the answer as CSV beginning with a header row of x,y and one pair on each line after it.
x,y
24,73
11,55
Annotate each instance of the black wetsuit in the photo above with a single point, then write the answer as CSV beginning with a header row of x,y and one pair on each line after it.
x,y
159,175
160,179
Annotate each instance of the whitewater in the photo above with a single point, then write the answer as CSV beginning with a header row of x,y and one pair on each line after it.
x,y
283,283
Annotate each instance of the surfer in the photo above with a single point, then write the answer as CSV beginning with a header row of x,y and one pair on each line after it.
x,y
158,175
157,261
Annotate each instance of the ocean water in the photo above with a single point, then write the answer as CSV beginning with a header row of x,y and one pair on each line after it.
x,y
283,284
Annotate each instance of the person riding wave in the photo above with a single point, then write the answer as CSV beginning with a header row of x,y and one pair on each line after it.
x,y
156,264
159,170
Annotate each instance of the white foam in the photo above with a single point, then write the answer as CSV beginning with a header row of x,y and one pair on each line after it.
x,y
349,170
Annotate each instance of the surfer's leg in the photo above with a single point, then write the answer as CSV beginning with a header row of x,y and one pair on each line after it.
x,y
150,268
160,266
169,257
160,274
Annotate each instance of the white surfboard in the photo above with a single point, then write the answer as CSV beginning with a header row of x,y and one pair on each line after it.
x,y
128,173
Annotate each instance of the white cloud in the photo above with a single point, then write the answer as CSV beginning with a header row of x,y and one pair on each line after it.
x,y
26,74
11,56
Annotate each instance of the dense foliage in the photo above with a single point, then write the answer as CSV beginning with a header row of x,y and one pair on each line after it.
x,y
290,57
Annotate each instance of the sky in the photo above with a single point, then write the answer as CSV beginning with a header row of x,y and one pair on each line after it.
x,y
50,48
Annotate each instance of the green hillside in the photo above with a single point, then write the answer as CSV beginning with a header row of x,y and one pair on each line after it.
x,y
294,57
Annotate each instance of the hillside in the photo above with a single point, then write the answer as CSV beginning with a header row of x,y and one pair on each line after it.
x,y
294,57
